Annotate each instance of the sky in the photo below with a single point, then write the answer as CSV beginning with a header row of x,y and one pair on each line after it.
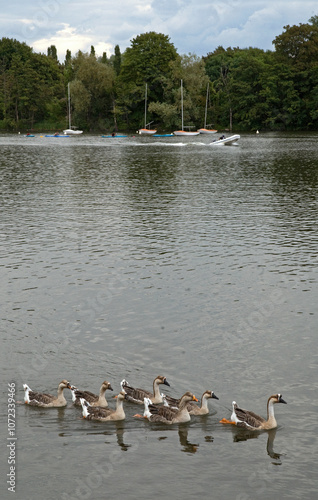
x,y
193,26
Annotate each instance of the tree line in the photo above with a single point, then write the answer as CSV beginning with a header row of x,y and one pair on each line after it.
x,y
248,89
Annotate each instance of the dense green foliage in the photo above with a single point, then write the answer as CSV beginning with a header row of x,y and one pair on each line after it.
x,y
249,88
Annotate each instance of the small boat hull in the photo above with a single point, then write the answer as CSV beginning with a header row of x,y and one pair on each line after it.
x,y
207,131
113,136
146,131
184,133
163,135
70,131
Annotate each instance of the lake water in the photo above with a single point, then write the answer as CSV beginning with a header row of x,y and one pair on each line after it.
x,y
133,257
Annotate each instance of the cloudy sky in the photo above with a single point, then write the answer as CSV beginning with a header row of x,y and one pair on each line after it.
x,y
196,26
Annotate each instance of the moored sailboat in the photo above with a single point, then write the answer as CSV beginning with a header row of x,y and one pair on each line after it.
x,y
70,130
205,130
146,130
183,132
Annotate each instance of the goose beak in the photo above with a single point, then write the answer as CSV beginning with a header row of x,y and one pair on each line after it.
x,y
69,386
194,398
110,388
214,396
166,382
282,401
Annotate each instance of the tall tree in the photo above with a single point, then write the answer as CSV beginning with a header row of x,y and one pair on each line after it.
x,y
52,52
117,60
148,60
92,90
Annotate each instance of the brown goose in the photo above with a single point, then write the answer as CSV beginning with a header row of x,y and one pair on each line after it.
x,y
166,415
46,400
104,414
92,399
249,420
137,395
193,409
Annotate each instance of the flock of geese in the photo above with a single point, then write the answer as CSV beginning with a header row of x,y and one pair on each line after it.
x,y
158,407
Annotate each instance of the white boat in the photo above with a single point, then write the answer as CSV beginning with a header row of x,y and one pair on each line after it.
x,y
145,130
226,140
205,130
70,130
183,132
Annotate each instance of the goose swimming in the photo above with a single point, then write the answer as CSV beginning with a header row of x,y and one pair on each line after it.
x,y
166,415
92,399
46,400
193,408
250,420
137,395
104,414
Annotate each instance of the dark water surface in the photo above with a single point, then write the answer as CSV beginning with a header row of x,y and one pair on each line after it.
x,y
129,258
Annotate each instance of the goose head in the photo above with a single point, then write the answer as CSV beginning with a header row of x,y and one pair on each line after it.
x,y
277,398
188,396
209,395
121,396
106,385
161,380
64,385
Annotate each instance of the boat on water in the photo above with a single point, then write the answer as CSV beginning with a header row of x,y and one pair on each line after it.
x,y
113,136
182,132
206,130
185,133
70,130
162,135
146,130
228,141
57,135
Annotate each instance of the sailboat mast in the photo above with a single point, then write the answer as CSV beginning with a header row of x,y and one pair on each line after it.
x,y
146,107
181,106
206,105
69,104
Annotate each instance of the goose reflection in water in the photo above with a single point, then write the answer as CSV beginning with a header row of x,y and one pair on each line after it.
x,y
243,435
120,430
187,447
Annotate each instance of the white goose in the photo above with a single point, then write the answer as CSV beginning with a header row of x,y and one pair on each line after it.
x,y
137,395
92,399
104,414
250,420
46,400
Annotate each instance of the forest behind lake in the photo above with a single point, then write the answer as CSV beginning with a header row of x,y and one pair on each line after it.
x,y
248,89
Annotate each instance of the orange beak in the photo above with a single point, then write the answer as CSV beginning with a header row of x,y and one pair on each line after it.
x,y
194,398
